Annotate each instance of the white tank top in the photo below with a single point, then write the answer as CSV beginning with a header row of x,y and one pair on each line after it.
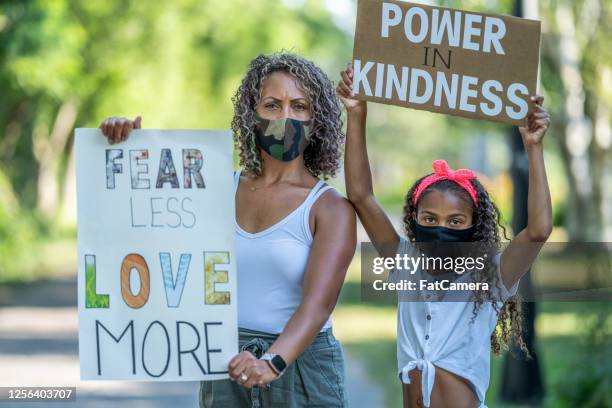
x,y
270,266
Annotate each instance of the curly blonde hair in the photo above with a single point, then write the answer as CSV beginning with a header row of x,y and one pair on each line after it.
x,y
322,156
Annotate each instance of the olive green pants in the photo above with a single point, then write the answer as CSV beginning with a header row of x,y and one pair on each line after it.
x,y
315,379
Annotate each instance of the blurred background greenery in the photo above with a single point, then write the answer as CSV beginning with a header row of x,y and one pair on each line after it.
x,y
68,63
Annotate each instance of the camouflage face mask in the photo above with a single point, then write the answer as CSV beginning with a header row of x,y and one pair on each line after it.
x,y
284,139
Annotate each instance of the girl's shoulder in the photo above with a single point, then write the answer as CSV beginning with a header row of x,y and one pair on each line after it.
x,y
405,247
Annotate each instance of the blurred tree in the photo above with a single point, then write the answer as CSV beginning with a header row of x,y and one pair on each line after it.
x,y
522,378
69,62
577,78
178,63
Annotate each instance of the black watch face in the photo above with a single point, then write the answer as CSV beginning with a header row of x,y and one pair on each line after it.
x,y
279,363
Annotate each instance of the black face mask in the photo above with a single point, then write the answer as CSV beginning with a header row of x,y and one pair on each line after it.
x,y
443,234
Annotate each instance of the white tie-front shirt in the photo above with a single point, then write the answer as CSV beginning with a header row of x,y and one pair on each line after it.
x,y
440,333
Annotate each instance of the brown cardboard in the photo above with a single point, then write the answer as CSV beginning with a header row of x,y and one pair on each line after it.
x,y
495,74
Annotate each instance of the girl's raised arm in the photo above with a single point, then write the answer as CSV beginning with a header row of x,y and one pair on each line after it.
x,y
524,248
357,173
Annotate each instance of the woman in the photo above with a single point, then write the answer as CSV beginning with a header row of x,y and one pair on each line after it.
x,y
295,237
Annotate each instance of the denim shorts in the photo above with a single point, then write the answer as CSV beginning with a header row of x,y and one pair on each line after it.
x,y
315,379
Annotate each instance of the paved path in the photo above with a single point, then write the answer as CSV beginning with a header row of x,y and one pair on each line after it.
x,y
39,347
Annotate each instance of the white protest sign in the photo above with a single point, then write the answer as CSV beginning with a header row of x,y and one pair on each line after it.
x,y
156,264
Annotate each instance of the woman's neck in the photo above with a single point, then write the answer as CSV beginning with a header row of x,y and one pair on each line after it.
x,y
274,171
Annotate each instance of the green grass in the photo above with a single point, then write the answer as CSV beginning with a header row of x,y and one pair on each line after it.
x,y
47,258
554,359
380,361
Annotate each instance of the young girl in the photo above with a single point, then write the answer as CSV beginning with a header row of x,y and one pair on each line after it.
x,y
443,348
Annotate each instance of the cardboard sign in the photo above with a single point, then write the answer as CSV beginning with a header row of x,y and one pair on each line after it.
x,y
156,264
444,60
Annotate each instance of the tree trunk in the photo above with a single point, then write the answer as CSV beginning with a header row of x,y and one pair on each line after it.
x,y
574,132
68,211
48,150
522,379
603,156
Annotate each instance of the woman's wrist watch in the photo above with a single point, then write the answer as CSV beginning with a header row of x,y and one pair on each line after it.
x,y
275,362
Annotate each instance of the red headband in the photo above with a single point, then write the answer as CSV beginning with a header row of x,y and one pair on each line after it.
x,y
443,172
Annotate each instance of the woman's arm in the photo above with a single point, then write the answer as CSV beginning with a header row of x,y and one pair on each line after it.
x,y
332,249
357,172
524,248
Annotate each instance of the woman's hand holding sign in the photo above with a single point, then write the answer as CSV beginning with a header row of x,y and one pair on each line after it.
x,y
247,370
118,129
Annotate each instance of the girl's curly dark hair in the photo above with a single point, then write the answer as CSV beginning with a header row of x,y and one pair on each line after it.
x,y
487,219
322,156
